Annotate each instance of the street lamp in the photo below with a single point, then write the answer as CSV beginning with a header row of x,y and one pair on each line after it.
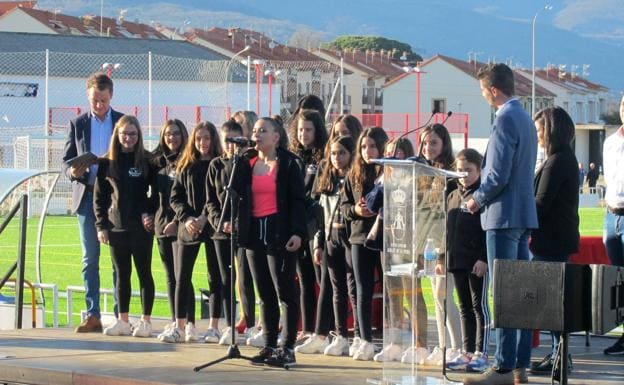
x,y
547,7
227,77
270,73
418,72
109,67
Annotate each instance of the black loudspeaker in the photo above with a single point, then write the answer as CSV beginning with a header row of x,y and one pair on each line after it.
x,y
542,295
607,298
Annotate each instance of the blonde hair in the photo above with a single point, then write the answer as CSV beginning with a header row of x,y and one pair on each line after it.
x,y
114,148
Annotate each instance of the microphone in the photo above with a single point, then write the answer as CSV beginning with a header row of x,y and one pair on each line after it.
x,y
241,141
394,152
448,115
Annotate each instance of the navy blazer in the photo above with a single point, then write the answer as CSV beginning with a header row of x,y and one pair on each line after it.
x,y
78,142
506,191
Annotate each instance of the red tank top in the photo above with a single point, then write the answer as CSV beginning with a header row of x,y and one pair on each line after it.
x,y
263,192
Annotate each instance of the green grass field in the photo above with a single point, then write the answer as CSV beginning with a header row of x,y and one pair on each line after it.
x,y
61,255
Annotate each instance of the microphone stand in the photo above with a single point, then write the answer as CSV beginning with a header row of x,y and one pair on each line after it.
x,y
403,135
231,198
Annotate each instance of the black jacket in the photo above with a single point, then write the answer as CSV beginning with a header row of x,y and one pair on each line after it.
x,y
465,239
219,172
166,166
556,186
188,198
120,202
358,226
290,199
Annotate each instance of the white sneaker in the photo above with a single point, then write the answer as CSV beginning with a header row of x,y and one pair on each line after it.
x,y
355,345
338,347
226,336
212,335
119,328
167,327
250,332
391,352
142,329
365,352
313,345
453,354
434,359
414,355
174,335
256,340
190,333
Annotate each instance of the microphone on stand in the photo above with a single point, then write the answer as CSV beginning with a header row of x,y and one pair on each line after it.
x,y
403,135
241,141
448,115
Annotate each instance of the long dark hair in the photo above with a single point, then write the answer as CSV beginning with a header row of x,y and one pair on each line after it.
x,y
558,129
446,159
320,135
162,149
353,125
361,172
190,155
329,175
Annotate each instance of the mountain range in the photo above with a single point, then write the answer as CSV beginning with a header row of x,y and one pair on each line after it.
x,y
572,32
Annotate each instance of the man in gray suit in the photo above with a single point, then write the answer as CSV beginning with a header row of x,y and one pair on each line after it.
x,y
505,199
90,131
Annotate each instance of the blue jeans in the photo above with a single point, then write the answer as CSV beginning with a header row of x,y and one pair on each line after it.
x,y
555,336
613,237
90,255
513,346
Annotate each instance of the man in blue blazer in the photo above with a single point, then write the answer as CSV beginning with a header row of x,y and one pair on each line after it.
x,y
505,199
90,131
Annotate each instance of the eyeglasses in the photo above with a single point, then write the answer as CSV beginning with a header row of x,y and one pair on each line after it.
x,y
128,134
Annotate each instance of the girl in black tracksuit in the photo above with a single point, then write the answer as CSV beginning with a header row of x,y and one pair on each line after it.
x,y
173,138
124,220
188,199
219,173
309,136
271,225
360,182
467,262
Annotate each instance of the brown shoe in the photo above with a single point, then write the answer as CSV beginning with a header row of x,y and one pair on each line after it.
x,y
91,324
490,377
520,376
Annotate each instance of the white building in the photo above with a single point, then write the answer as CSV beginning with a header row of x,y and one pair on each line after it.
x,y
449,84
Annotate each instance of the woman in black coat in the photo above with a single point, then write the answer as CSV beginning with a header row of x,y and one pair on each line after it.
x,y
556,187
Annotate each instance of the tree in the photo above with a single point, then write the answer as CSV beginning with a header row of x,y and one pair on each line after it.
x,y
306,38
611,118
376,43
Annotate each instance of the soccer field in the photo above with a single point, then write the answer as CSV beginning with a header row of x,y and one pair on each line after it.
x,y
61,254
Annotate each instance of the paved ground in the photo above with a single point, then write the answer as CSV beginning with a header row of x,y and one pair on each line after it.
x,y
59,356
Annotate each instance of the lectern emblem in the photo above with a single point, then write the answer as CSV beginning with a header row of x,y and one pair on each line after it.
x,y
399,214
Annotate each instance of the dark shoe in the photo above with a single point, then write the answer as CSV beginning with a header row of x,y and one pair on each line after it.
x,y
520,376
91,324
283,357
617,348
542,367
490,377
263,355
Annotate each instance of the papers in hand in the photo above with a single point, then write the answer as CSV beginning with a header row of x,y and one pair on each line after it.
x,y
86,159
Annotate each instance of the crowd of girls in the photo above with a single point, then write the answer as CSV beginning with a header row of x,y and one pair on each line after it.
x,y
302,211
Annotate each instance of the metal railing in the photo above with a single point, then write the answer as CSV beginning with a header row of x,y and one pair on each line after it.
x,y
21,257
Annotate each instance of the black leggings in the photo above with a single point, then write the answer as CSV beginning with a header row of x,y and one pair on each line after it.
x,y
473,310
308,278
223,247
274,273
184,264
126,246
364,262
246,289
168,249
337,258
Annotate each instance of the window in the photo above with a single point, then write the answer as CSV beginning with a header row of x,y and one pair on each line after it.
x,y
438,105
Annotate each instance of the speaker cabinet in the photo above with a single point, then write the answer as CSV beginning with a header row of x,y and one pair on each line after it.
x,y
607,298
541,295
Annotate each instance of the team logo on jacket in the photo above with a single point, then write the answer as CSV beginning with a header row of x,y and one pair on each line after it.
x,y
135,172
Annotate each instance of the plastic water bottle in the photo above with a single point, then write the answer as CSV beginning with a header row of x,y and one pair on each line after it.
x,y
431,258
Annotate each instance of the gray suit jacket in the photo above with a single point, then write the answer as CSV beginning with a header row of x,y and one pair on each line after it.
x,y
78,142
506,191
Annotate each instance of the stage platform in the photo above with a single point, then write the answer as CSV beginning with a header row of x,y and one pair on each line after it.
x,y
62,357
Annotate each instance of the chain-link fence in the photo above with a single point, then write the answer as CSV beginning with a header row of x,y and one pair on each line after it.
x,y
41,91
